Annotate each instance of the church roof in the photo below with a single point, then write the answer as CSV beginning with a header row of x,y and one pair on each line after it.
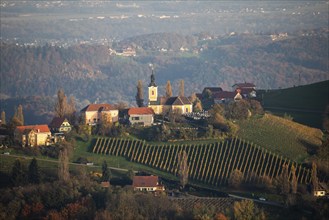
x,y
178,100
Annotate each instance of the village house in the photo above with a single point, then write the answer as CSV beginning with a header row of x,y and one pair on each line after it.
x,y
147,183
60,125
226,97
247,90
32,135
161,105
92,114
141,116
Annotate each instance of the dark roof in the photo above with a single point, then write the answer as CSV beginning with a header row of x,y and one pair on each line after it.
x,y
145,181
246,90
98,107
213,89
244,85
224,95
178,100
141,111
57,122
152,83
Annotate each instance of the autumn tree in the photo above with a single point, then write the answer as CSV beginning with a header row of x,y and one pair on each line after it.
x,y
3,117
71,110
34,172
283,182
293,183
140,95
197,105
314,178
235,179
168,89
247,210
61,104
183,168
106,172
181,88
19,114
105,124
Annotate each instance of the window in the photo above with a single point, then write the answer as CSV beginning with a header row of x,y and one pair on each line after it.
x,y
152,92
135,118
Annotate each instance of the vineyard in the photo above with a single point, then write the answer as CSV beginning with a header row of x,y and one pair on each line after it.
x,y
189,203
208,163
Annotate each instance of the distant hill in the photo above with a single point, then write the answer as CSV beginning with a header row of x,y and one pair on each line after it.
x,y
306,104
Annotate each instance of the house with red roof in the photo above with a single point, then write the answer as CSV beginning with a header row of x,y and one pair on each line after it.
x,y
33,135
147,183
141,116
92,114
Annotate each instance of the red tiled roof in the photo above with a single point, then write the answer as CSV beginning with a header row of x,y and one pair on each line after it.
x,y
56,122
145,181
39,128
141,111
98,107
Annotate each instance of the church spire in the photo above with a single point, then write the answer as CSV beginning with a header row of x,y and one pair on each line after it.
x,y
152,83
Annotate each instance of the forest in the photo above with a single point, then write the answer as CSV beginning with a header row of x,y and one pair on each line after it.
x,y
91,73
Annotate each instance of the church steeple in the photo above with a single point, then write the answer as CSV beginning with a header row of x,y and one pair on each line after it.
x,y
152,83
153,89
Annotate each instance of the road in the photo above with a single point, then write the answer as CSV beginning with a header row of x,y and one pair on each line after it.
x,y
258,201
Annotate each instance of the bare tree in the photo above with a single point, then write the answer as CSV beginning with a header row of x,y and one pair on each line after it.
x,y
3,117
183,168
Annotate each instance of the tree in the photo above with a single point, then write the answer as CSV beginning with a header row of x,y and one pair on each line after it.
x,y
235,179
71,110
183,168
130,175
3,117
105,124
140,95
63,165
168,89
283,180
34,172
181,88
106,172
61,104
314,178
243,210
293,183
18,173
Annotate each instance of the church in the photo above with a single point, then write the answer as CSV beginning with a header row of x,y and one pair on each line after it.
x,y
162,105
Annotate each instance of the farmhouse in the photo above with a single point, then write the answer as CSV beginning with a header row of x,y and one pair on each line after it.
x,y
92,114
141,116
147,183
161,105
60,125
32,135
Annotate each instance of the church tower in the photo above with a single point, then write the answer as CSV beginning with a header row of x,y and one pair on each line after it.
x,y
153,89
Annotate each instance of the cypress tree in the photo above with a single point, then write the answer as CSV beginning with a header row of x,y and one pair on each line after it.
x,y
3,117
139,95
168,89
18,175
106,173
34,172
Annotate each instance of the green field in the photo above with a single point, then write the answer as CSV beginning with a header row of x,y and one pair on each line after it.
x,y
281,136
306,104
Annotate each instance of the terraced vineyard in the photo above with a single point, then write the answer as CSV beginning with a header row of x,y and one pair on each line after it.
x,y
210,164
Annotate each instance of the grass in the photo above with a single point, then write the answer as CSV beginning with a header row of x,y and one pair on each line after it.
x,y
281,136
306,104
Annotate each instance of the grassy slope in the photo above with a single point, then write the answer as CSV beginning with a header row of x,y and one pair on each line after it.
x,y
281,136
305,104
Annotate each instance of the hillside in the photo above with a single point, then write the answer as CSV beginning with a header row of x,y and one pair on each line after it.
x,y
281,136
90,72
306,104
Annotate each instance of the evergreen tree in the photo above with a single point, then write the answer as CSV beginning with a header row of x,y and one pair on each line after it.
x,y
63,165
18,174
61,104
183,168
34,172
181,88
106,173
3,117
140,95
168,89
